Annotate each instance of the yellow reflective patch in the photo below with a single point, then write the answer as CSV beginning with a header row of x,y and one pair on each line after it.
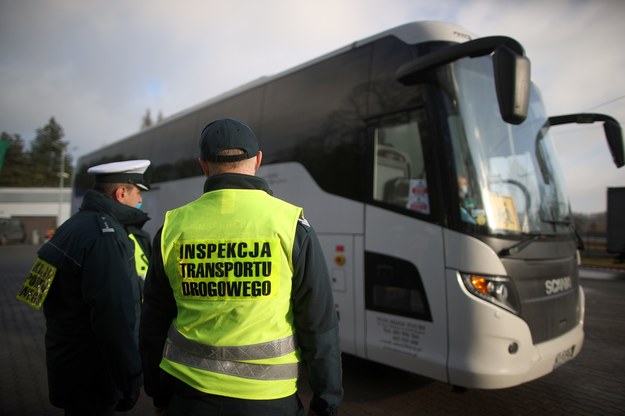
x,y
37,284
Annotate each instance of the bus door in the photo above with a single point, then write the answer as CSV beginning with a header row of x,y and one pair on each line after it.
x,y
405,295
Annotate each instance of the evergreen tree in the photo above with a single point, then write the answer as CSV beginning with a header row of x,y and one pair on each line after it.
x,y
146,122
45,156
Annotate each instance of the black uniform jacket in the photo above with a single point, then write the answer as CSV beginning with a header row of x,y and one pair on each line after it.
x,y
315,318
92,308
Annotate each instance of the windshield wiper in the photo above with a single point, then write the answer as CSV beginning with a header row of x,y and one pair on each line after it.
x,y
569,223
557,222
520,246
540,158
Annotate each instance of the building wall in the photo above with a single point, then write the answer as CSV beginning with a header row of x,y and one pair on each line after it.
x,y
40,209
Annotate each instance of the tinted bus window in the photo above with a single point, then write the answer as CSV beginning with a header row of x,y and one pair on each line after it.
x,y
315,116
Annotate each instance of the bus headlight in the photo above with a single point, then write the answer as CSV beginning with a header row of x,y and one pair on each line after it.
x,y
494,289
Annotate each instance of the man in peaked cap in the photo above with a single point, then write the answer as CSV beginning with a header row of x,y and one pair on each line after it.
x,y
109,177
93,304
237,296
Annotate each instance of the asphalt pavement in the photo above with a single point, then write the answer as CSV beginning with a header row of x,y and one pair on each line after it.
x,y
592,384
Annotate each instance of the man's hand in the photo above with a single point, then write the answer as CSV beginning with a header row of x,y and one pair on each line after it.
x,y
129,400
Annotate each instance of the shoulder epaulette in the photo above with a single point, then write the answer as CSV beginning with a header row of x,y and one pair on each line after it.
x,y
104,225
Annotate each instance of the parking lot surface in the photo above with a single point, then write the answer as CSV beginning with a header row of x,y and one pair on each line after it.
x,y
592,384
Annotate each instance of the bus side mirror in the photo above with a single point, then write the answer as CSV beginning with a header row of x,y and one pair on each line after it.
x,y
611,128
614,134
512,83
510,66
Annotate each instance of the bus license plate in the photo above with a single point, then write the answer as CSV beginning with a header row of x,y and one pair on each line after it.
x,y
564,356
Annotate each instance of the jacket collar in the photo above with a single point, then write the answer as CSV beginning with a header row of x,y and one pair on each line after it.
x,y
97,201
236,181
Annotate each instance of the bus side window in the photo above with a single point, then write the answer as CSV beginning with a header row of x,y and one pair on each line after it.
x,y
399,174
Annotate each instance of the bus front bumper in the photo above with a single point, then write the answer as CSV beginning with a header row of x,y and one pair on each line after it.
x,y
490,348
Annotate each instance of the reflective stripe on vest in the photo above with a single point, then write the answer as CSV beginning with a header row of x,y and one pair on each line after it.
x,y
260,351
220,359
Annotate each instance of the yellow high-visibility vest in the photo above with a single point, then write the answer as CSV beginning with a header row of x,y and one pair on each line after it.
x,y
141,260
228,259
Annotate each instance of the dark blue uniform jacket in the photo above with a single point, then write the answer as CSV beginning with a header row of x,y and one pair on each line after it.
x,y
93,306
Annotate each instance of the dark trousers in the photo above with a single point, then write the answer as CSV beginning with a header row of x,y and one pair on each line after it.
x,y
212,405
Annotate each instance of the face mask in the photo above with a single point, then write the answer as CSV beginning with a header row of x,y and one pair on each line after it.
x,y
464,190
139,205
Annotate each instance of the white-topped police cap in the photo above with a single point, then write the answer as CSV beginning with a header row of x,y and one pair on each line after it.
x,y
136,172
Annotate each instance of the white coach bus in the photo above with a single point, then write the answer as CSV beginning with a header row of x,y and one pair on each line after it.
x,y
422,157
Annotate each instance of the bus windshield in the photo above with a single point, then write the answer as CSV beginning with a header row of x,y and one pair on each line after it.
x,y
508,178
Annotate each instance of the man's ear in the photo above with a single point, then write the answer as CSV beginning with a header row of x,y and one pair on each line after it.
x,y
204,166
119,194
259,159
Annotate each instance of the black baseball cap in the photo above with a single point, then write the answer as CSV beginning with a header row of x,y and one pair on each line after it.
x,y
227,134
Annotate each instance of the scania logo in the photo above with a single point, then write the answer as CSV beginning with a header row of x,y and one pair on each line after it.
x,y
558,285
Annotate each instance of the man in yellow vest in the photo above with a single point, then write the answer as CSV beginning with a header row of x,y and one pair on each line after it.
x,y
238,296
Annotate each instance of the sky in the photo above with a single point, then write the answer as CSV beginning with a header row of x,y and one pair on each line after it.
x,y
98,66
